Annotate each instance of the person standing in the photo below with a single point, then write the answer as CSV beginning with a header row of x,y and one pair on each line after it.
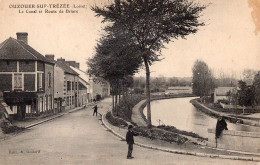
x,y
95,109
130,141
221,125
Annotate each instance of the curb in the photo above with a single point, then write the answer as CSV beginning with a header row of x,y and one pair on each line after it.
x,y
255,159
43,121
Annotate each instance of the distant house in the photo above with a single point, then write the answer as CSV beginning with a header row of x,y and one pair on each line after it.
x,y
84,86
26,78
220,93
178,90
96,86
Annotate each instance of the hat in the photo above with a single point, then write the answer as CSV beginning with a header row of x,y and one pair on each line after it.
x,y
130,126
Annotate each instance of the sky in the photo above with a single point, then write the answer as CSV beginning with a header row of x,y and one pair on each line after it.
x,y
228,43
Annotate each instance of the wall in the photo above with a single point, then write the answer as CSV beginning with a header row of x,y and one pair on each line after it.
x,y
5,82
49,89
29,82
83,97
40,66
26,66
230,106
235,140
8,66
59,84
70,95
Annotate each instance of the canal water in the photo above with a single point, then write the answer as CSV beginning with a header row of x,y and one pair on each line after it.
x,y
179,112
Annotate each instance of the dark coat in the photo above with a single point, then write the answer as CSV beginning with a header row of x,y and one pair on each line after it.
x,y
130,137
221,125
95,108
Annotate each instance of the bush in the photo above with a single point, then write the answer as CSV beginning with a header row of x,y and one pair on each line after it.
x,y
115,121
223,101
127,104
160,134
175,130
7,127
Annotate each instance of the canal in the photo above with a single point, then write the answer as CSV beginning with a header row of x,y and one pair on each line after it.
x,y
179,112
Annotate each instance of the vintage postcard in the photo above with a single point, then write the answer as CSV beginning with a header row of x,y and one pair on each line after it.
x,y
148,82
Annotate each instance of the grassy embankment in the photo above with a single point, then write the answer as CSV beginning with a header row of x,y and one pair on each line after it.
x,y
166,133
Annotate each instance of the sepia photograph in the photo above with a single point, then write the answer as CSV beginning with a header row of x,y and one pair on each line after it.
x,y
129,82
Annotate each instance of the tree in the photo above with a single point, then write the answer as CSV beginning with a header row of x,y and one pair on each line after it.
x,y
203,80
245,94
248,76
256,87
151,23
112,61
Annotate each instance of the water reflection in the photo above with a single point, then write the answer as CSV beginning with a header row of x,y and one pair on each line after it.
x,y
179,112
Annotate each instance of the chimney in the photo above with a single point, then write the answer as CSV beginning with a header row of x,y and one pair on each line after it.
x,y
61,59
50,57
22,36
73,64
77,65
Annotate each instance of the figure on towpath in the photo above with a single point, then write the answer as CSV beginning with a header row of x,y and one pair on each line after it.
x,y
130,141
221,125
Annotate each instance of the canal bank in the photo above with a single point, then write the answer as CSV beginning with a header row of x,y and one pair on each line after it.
x,y
229,117
186,149
233,134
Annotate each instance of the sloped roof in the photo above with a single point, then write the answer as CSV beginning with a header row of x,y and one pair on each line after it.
x,y
82,74
222,91
179,88
66,68
12,49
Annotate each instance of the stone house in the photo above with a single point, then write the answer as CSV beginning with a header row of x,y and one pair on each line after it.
x,y
27,78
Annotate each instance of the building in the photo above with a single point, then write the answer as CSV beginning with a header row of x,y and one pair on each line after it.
x,y
66,91
178,90
27,78
97,87
220,93
84,86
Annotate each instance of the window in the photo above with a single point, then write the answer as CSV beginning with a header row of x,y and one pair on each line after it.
x,y
41,104
45,104
72,100
76,85
18,81
50,103
40,81
68,85
49,79
68,101
72,85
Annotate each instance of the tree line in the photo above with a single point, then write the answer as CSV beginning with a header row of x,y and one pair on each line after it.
x,y
247,89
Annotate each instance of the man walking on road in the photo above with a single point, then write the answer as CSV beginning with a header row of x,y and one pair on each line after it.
x,y
130,141
95,110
